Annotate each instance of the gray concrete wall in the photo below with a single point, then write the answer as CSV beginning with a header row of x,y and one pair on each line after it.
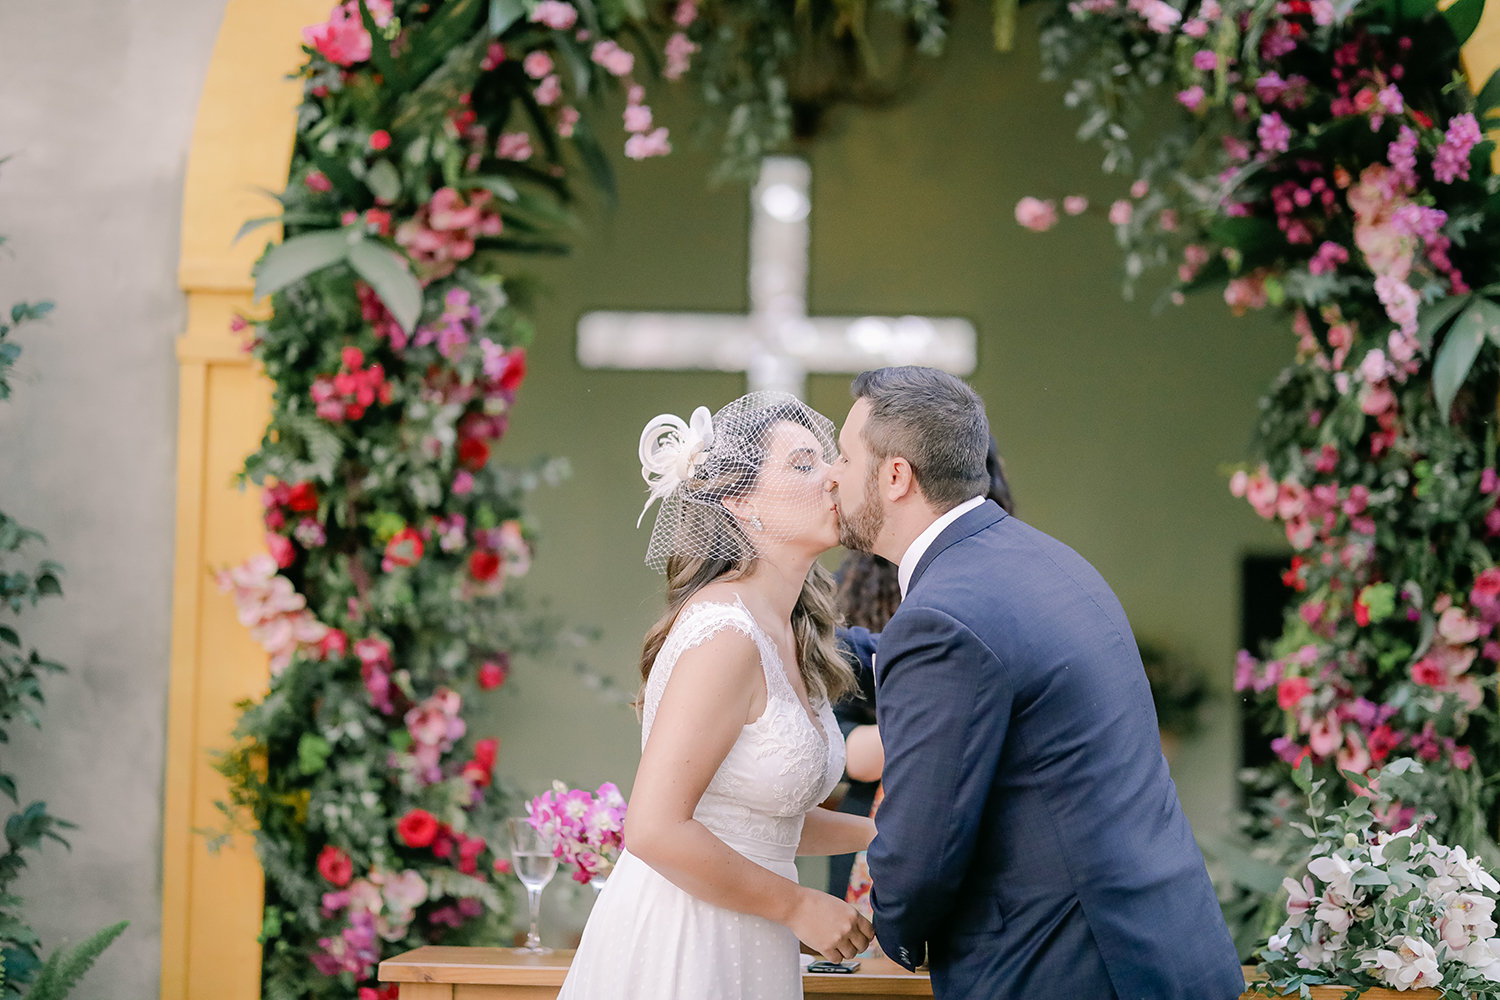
x,y
97,102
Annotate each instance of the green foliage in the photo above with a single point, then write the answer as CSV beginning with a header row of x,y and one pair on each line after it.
x,y
65,968
1178,688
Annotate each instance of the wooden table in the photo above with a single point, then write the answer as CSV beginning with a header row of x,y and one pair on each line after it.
x,y
437,973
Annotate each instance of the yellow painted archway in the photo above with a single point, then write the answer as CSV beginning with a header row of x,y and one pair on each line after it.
x,y
211,902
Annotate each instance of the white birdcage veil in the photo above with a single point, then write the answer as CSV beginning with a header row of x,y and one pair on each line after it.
x,y
748,476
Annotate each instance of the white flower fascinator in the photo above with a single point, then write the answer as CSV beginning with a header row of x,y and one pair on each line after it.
x,y
670,450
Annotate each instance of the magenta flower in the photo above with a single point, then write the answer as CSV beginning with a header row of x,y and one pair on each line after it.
x,y
1035,214
1328,258
1206,60
1274,134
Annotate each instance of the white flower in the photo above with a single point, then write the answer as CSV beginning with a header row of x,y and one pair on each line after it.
x,y
1484,956
1471,870
1299,899
1278,942
671,449
1336,872
1465,917
1407,963
1322,950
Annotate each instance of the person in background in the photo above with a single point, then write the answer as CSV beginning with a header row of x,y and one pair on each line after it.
x,y
868,595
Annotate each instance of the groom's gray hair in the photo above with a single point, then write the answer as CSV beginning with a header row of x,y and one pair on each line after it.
x,y
935,422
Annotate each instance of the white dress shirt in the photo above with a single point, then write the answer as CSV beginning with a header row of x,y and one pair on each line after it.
x,y
918,548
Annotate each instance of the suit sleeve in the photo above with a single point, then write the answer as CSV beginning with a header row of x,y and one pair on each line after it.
x,y
944,710
857,709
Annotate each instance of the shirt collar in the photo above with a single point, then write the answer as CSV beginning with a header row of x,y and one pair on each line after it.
x,y
924,541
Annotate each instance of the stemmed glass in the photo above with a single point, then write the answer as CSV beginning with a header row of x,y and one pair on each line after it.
x,y
535,864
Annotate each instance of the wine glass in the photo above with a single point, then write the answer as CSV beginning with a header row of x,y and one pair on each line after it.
x,y
535,864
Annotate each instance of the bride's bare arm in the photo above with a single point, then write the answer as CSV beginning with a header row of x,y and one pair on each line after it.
x,y
712,693
827,832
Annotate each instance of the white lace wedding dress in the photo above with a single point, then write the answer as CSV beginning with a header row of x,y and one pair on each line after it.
x,y
649,940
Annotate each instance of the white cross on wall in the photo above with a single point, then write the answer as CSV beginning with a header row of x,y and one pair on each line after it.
x,y
777,344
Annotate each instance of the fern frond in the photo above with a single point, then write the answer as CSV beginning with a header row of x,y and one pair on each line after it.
x,y
65,968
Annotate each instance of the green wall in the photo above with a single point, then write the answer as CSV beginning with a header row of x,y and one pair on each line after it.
x,y
1114,423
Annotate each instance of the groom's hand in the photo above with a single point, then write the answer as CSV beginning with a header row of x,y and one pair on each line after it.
x,y
829,926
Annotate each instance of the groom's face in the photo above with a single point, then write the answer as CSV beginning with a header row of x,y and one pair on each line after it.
x,y
853,480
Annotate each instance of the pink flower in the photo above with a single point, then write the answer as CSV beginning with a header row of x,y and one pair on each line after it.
x,y
1452,160
343,39
281,550
463,482
1139,189
492,673
685,14
444,230
537,64
1035,214
1328,258
567,118
1400,301
613,58
548,91
1075,204
637,118
1161,17
1205,60
1196,28
679,52
380,139
318,182
1120,213
1243,294
641,146
493,57
514,146
1273,133
555,14
1192,98
1323,12
1291,691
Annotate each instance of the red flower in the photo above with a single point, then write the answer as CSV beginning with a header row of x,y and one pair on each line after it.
x,y
442,844
335,644
303,498
404,549
515,370
1361,611
502,866
485,751
1292,690
281,550
390,991
477,774
1423,120
1381,741
380,139
473,453
483,565
353,358
335,866
417,828
1293,577
492,673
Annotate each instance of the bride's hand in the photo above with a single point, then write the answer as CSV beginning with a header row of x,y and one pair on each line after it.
x,y
829,925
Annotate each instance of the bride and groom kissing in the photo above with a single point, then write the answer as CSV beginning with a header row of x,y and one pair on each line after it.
x,y
1030,842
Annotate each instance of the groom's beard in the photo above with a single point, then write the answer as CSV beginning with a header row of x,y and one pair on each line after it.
x,y
859,530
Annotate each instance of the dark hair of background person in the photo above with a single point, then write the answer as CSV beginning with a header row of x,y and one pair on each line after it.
x,y
868,594
935,422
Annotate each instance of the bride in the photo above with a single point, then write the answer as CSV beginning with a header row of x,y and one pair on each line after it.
x,y
739,744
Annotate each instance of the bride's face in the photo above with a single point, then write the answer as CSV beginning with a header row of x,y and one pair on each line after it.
x,y
791,498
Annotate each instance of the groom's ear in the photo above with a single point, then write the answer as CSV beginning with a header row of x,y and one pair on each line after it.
x,y
899,478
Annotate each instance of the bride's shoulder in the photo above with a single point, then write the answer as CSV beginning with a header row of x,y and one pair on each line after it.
x,y
714,615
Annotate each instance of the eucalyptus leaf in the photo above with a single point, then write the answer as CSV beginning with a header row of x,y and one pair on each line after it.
x,y
384,181
504,13
297,258
389,274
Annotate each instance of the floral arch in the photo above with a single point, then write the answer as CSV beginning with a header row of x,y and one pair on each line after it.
x,y
434,143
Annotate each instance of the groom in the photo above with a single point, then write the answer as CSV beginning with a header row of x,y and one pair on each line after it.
x,y
1030,843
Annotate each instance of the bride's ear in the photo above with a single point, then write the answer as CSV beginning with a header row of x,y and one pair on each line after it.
x,y
741,510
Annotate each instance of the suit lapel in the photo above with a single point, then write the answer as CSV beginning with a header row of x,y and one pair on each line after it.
x,y
974,521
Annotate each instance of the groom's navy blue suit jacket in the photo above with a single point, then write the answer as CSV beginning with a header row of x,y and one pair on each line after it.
x,y
1031,841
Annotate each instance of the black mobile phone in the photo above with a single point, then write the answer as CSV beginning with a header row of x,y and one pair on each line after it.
x,y
823,965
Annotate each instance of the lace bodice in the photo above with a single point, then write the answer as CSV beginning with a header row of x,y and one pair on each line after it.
x,y
780,766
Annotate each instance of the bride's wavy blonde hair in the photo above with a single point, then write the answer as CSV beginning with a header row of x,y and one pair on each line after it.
x,y
825,674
